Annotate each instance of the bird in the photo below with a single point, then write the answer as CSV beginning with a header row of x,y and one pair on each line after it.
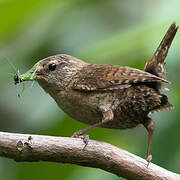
x,y
107,96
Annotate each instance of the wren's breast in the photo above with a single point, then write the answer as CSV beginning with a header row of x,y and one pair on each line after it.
x,y
81,106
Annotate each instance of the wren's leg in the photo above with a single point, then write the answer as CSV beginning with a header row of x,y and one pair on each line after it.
x,y
149,125
107,116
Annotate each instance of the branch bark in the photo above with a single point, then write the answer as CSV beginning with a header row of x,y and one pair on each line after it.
x,y
23,147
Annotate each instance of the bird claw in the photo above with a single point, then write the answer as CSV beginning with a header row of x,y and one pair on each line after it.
x,y
84,137
148,159
77,134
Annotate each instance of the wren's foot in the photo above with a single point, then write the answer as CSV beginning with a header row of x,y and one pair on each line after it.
x,y
107,116
148,159
78,133
84,137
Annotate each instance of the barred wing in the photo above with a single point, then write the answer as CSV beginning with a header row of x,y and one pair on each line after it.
x,y
108,77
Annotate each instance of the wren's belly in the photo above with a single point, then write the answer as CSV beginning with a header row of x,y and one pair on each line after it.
x,y
85,108
80,107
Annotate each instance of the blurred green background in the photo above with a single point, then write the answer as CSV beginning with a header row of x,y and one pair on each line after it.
x,y
123,32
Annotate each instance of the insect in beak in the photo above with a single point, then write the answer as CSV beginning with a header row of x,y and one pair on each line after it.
x,y
16,79
28,76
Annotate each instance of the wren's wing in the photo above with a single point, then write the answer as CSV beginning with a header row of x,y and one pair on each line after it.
x,y
108,77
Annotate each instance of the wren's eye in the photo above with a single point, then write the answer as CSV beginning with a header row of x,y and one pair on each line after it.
x,y
52,66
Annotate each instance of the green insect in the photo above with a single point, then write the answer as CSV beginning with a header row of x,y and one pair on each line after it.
x,y
28,76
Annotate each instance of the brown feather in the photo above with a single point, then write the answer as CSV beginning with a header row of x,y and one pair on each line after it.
x,y
156,65
109,77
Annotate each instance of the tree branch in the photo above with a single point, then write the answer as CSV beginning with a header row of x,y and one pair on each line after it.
x,y
21,147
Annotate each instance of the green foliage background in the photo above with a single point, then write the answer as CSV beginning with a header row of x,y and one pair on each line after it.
x,y
120,32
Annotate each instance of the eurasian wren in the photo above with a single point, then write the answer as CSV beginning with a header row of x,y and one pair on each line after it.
x,y
107,96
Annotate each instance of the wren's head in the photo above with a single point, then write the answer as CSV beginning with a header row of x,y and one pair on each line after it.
x,y
55,72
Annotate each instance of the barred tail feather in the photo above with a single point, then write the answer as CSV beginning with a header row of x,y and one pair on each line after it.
x,y
156,65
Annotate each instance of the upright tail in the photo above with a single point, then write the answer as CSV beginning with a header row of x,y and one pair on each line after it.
x,y
156,65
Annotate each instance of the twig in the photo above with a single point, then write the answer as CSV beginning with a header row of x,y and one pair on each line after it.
x,y
22,147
